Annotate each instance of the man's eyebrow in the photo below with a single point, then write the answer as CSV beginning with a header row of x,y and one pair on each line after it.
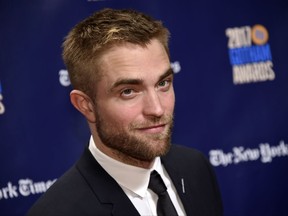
x,y
126,82
166,74
138,81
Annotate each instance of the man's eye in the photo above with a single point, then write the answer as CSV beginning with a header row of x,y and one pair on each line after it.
x,y
164,84
127,93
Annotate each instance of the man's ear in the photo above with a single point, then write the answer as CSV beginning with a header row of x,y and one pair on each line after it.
x,y
83,104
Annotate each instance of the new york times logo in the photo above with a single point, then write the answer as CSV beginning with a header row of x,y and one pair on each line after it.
x,y
250,54
64,78
2,107
264,153
25,187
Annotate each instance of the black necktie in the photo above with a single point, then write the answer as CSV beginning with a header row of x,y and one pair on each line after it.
x,y
165,206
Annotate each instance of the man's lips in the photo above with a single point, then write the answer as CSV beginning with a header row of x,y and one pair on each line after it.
x,y
153,128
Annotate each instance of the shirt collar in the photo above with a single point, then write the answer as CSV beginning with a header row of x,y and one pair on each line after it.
x,y
133,178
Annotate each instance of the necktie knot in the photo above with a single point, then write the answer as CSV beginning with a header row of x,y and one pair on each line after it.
x,y
156,183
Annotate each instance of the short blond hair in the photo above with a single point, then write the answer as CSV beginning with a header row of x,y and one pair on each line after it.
x,y
87,41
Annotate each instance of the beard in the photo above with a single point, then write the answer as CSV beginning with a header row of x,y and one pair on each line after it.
x,y
130,142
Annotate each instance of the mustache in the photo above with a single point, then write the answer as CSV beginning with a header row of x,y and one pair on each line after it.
x,y
153,121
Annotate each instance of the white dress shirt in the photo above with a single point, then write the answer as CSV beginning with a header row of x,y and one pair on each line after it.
x,y
134,182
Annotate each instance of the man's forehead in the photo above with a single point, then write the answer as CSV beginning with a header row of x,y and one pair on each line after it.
x,y
134,62
120,48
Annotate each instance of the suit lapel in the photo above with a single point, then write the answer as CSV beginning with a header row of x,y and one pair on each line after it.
x,y
105,188
178,178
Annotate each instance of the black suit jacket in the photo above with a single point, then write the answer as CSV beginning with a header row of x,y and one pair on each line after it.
x,y
87,189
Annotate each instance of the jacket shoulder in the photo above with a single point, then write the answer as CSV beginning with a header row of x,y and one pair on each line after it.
x,y
185,154
69,195
188,161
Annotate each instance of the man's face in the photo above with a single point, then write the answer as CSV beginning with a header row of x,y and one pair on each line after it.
x,y
135,101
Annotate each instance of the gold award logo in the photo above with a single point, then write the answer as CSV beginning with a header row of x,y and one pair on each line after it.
x,y
259,34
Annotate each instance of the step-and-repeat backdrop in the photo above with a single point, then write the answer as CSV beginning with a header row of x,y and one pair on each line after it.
x,y
231,63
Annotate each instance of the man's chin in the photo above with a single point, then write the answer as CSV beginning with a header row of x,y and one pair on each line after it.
x,y
162,148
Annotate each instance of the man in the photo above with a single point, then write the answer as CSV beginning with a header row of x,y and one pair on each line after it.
x,y
118,62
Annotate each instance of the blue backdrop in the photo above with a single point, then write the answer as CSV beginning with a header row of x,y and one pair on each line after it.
x,y
231,83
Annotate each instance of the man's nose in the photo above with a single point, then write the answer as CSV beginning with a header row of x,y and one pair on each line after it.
x,y
152,105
